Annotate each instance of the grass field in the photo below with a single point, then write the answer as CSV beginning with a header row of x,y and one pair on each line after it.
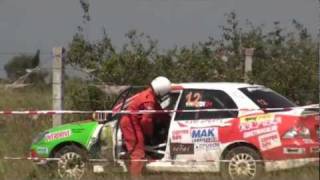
x,y
17,132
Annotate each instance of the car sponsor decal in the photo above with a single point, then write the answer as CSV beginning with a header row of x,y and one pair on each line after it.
x,y
315,149
207,146
258,121
269,141
180,148
293,150
182,125
308,141
257,118
199,104
260,131
211,122
204,134
42,150
58,135
177,135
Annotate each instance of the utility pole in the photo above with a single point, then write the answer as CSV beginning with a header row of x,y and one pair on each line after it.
x,y
319,58
319,50
57,83
248,62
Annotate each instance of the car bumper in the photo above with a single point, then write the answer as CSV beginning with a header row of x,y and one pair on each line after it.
x,y
38,159
292,153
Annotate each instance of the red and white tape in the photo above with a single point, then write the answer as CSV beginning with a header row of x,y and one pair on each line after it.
x,y
54,112
44,112
37,159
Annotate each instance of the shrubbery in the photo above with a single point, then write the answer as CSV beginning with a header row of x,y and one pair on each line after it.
x,y
283,60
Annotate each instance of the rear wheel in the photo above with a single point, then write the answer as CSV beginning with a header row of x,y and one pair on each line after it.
x,y
242,163
72,163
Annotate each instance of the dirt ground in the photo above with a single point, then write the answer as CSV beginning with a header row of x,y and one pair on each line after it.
x,y
25,170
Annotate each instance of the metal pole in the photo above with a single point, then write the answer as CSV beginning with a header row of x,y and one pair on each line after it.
x,y
57,83
319,50
248,63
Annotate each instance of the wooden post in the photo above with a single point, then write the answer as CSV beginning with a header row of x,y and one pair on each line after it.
x,y
57,83
248,62
319,50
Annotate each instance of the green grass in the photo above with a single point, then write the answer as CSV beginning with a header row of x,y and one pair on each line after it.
x,y
26,98
17,130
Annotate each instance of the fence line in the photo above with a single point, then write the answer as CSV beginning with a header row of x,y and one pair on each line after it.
x,y
145,160
54,112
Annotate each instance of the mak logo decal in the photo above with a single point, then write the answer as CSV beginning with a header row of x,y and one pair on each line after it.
x,y
207,134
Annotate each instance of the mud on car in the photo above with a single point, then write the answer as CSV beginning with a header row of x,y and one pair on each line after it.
x,y
235,129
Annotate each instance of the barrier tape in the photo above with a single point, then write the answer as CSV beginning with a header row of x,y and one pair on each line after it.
x,y
55,112
44,112
37,159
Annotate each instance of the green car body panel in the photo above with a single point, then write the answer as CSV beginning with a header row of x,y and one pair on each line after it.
x,y
78,133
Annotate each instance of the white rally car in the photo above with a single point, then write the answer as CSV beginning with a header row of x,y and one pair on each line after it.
x,y
236,129
267,133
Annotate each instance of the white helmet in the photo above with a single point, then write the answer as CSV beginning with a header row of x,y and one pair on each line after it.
x,y
161,86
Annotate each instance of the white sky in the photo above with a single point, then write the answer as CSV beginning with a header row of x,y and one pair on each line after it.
x,y
27,25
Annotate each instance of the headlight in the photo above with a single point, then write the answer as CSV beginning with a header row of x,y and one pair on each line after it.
x,y
305,133
301,132
292,133
39,137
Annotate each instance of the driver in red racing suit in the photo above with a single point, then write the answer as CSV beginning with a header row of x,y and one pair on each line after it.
x,y
138,127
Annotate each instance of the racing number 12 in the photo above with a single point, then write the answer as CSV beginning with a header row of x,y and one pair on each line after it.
x,y
193,98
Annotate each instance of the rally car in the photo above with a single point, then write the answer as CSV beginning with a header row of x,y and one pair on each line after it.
x,y
235,129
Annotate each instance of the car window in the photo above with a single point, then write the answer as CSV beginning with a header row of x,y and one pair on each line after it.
x,y
266,98
193,99
169,101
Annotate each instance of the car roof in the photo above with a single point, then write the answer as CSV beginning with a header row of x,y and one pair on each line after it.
x,y
215,85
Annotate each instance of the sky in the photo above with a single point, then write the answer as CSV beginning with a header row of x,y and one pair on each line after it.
x,y
28,25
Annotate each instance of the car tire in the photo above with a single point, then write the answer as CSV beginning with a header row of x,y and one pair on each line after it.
x,y
73,162
242,163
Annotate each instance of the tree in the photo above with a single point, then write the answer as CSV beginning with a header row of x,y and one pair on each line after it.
x,y
284,60
18,65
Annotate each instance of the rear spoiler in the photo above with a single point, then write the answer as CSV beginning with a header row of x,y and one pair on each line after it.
x,y
313,109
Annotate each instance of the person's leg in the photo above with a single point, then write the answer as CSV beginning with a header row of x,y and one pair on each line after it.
x,y
134,141
128,133
137,156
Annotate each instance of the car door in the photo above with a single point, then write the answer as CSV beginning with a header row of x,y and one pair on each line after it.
x,y
195,135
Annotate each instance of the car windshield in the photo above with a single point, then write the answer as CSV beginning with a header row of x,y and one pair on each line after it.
x,y
266,98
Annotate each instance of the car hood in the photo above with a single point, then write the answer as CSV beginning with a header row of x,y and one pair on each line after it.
x,y
75,126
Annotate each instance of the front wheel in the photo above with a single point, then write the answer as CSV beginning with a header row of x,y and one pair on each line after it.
x,y
72,163
242,163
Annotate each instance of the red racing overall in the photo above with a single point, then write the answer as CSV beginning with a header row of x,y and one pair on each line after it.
x,y
136,127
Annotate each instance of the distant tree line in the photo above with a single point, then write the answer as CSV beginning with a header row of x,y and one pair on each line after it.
x,y
285,61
